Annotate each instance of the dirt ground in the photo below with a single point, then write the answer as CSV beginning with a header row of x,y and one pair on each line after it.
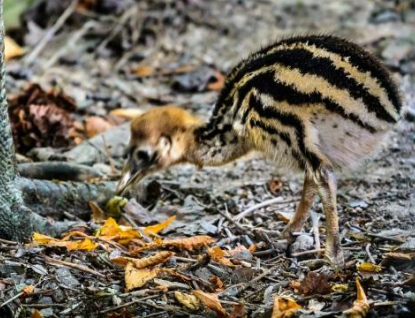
x,y
131,60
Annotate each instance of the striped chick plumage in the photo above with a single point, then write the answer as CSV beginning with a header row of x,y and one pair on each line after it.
x,y
314,103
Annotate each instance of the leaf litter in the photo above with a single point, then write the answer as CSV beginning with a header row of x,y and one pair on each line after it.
x,y
233,268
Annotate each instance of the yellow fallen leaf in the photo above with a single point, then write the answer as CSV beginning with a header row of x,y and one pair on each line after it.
x,y
138,277
189,301
218,255
284,307
340,288
128,113
86,244
360,306
155,229
12,49
369,267
211,301
41,239
122,234
158,258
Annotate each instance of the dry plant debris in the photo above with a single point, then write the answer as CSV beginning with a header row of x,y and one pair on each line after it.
x,y
117,58
40,118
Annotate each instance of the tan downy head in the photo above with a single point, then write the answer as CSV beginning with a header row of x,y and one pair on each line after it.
x,y
160,138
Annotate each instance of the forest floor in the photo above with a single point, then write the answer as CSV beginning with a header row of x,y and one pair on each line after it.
x,y
152,53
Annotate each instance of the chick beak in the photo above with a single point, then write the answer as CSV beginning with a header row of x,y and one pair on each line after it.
x,y
133,172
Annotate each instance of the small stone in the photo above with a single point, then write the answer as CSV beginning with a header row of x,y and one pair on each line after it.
x,y
397,50
64,276
358,204
301,244
103,168
46,312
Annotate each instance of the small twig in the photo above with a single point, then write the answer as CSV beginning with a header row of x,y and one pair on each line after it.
x,y
73,265
315,219
251,282
232,221
386,238
372,260
322,250
20,294
248,211
11,299
71,43
8,242
128,304
164,307
41,306
50,33
118,28
185,259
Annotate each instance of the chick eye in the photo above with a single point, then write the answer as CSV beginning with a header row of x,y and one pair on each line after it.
x,y
165,141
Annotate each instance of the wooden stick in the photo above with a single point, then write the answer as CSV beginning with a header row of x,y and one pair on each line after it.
x,y
248,211
50,33
73,265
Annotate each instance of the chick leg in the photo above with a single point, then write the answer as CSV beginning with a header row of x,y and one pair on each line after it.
x,y
327,190
310,189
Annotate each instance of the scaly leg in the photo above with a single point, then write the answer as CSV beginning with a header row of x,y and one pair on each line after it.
x,y
310,189
327,189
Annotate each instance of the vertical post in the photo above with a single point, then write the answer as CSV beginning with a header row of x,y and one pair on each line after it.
x,y
9,195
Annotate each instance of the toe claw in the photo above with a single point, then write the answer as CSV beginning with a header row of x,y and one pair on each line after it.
x,y
335,259
287,234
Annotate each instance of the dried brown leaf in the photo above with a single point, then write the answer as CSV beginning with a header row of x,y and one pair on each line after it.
x,y
138,277
211,301
238,311
314,283
219,286
188,243
41,119
218,255
158,258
